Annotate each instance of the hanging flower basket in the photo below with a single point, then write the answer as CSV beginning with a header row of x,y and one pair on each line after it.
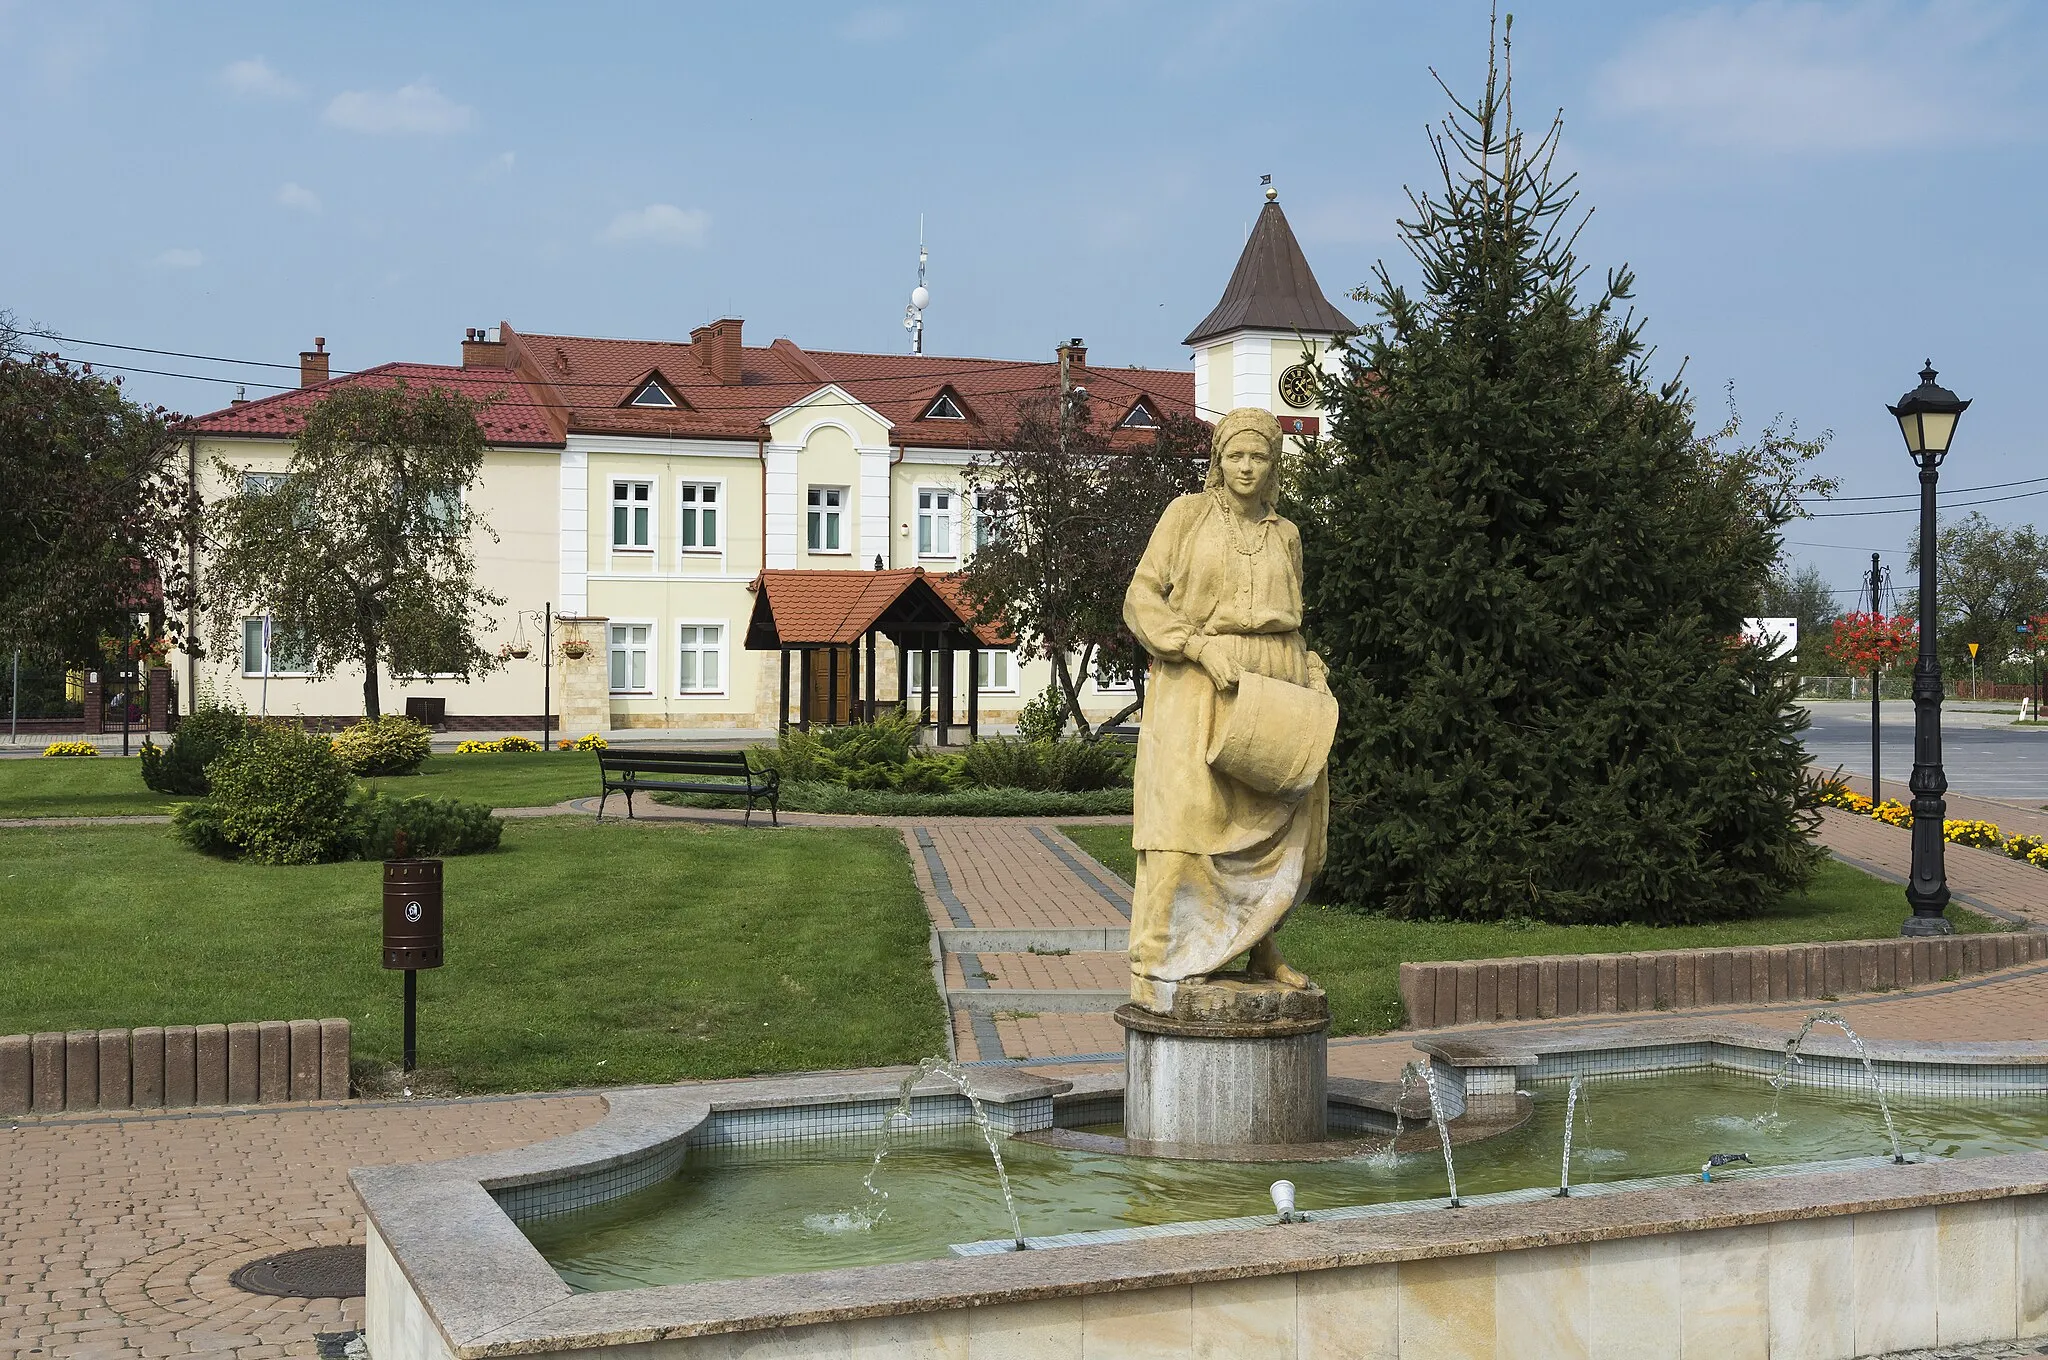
x,y
520,651
575,648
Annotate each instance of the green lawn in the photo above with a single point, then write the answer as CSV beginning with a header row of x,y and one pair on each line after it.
x,y
578,954
1356,958
76,786
513,779
108,786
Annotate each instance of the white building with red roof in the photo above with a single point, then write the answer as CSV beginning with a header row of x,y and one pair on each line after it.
x,y
642,486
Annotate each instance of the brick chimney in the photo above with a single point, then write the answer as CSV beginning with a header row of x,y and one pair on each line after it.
x,y
479,351
313,362
1073,354
718,346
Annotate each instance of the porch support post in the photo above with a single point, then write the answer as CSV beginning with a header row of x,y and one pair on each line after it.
x,y
803,703
782,709
831,687
946,690
871,675
973,693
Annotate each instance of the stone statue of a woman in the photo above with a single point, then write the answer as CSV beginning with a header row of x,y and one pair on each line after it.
x,y
1232,797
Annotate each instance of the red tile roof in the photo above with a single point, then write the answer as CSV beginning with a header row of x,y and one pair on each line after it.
x,y
566,383
512,416
835,608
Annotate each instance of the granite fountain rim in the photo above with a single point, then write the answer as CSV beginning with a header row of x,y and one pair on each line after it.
x,y
490,1292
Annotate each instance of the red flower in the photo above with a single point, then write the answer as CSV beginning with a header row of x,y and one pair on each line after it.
x,y
1871,642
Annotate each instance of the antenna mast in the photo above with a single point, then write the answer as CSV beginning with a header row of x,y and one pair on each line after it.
x,y
920,297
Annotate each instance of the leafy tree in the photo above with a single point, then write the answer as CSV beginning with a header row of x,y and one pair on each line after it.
x,y
1070,506
1527,572
96,510
1990,579
1807,597
361,551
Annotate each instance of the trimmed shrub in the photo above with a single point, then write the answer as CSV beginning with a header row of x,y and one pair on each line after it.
x,y
282,797
432,826
202,735
808,796
382,746
71,748
1062,766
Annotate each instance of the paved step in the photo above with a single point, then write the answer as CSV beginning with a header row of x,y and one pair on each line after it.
x,y
994,1000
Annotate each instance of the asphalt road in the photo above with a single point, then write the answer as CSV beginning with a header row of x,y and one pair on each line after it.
x,y
1982,753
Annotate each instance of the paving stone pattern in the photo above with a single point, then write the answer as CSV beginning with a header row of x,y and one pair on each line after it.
x,y
118,1232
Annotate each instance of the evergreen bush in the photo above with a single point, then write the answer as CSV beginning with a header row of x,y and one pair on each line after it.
x,y
281,797
1065,766
383,746
211,728
1527,573
432,826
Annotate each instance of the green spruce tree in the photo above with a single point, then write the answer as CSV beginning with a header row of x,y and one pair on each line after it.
x,y
1527,573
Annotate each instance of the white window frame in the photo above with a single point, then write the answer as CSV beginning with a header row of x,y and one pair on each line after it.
x,y
724,650
981,656
256,481
722,506
611,510
1109,687
1131,421
274,672
653,628
828,514
671,404
931,410
952,519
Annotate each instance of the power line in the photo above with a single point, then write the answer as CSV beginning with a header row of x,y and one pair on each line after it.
x,y
1914,495
1914,509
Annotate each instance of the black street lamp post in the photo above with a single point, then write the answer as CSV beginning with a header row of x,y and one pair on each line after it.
x,y
1927,416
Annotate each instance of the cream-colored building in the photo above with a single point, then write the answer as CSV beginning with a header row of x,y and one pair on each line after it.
x,y
637,488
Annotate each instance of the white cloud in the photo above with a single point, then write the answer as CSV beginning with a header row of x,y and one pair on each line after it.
x,y
180,257
1800,76
658,224
298,198
258,78
876,23
412,109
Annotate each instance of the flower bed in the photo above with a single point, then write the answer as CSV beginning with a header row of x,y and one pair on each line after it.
x,y
71,748
486,748
1960,830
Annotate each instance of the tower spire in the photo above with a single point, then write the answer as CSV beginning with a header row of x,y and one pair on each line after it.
x,y
1272,287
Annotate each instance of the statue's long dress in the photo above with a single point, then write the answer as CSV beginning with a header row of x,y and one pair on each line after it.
x,y
1219,864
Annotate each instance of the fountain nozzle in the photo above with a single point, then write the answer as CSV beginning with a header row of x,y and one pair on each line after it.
x,y
1721,1159
1283,1201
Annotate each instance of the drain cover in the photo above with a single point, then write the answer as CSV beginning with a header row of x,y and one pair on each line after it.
x,y
315,1273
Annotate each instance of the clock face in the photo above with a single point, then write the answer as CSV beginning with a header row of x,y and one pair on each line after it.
x,y
1298,386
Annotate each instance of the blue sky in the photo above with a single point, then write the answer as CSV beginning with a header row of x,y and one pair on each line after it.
x,y
1816,196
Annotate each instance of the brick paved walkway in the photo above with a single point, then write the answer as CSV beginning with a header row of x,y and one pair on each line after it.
x,y
117,1234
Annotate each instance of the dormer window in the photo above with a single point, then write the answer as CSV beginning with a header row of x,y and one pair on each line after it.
x,y
1141,417
652,393
944,408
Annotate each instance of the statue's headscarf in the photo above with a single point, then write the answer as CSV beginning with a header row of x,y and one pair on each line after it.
x,y
1264,423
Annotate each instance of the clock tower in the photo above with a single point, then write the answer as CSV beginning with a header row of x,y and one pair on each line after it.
x,y
1262,343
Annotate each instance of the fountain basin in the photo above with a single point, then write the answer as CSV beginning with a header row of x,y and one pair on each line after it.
x,y
1738,1261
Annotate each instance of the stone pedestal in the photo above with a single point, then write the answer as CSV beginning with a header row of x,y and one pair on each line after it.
x,y
586,691
1238,1061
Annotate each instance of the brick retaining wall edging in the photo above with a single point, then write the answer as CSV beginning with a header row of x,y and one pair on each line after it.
x,y
1555,987
174,1067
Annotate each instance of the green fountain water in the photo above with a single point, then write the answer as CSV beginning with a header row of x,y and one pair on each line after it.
x,y
758,1211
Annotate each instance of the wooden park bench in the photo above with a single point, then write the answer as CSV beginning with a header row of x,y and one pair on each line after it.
x,y
628,772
